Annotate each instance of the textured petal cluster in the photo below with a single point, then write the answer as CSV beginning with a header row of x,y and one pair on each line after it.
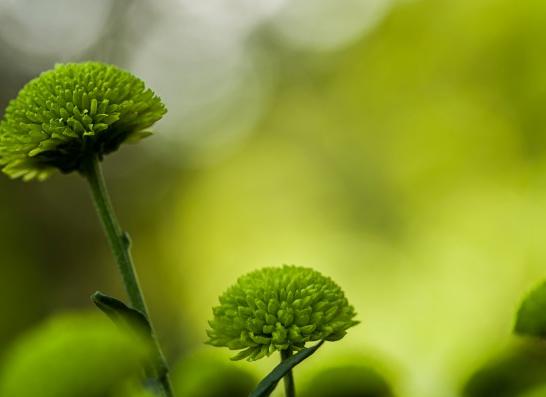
x,y
70,112
279,308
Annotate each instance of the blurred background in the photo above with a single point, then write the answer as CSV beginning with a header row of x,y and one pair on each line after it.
x,y
396,146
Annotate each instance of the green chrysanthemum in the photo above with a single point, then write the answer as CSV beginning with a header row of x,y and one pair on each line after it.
x,y
279,308
70,112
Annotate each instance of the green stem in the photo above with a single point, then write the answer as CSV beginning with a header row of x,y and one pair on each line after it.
x,y
120,245
289,388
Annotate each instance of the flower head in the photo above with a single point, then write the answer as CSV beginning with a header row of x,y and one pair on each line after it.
x,y
279,308
70,112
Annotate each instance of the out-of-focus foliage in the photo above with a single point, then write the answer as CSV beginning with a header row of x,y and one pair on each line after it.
x,y
352,380
531,317
515,372
536,392
201,374
73,355
133,389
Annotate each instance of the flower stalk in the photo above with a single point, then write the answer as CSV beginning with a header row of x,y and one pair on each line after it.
x,y
289,388
120,245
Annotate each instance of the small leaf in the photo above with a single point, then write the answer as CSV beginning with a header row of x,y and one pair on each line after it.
x,y
126,240
531,317
268,384
122,314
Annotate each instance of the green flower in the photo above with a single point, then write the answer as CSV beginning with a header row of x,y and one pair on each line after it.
x,y
279,308
71,112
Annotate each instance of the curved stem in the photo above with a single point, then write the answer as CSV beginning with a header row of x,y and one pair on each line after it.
x,y
120,245
289,388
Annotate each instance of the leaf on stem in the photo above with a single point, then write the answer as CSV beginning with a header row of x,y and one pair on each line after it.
x,y
531,317
268,384
122,314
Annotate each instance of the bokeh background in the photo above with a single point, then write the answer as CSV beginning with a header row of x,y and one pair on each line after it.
x,y
396,146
